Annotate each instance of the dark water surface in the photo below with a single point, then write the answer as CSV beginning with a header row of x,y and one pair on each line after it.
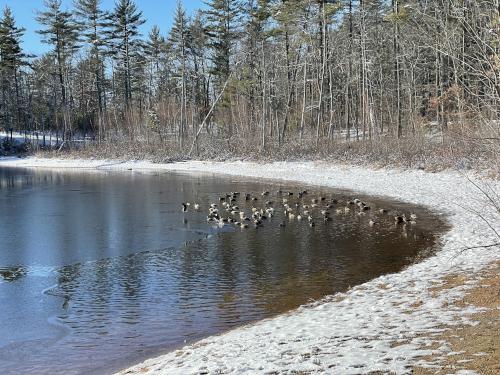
x,y
99,271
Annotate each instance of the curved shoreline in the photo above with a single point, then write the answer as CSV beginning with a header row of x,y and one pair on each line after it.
x,y
384,325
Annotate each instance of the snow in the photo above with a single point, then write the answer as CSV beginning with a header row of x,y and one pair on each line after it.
x,y
386,325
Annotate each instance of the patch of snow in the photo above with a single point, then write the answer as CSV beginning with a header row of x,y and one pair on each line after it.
x,y
368,328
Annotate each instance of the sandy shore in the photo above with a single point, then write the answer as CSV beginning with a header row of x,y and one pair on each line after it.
x,y
394,323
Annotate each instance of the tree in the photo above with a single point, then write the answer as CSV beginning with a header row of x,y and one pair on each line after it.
x,y
222,28
12,59
61,32
126,43
179,39
93,22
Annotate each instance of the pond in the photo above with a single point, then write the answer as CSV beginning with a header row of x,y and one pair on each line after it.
x,y
101,270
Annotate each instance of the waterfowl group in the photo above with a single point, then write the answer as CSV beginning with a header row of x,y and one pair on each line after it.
x,y
295,207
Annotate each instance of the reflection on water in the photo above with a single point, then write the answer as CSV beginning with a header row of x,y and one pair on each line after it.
x,y
106,267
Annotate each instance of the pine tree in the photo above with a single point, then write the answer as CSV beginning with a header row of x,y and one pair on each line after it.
x,y
222,29
94,23
179,39
61,31
126,43
12,59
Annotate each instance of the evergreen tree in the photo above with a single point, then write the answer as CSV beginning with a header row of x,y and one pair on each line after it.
x,y
61,32
223,18
12,58
179,39
126,43
94,23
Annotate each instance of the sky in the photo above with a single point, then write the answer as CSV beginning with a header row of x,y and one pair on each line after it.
x,y
156,12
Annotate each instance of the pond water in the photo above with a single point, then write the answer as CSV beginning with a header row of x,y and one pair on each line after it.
x,y
101,270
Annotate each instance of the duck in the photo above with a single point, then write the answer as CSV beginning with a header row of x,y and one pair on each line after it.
x,y
382,211
265,193
312,224
184,207
372,223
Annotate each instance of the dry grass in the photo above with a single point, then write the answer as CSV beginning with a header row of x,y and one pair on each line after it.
x,y
474,347
414,152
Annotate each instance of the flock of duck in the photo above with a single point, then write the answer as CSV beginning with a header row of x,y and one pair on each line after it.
x,y
295,206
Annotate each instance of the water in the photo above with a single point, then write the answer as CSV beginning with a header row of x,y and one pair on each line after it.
x,y
99,271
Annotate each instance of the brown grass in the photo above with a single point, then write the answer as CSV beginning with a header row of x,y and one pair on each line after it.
x,y
478,346
413,152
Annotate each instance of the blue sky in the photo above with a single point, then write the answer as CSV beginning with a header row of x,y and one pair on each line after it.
x,y
157,12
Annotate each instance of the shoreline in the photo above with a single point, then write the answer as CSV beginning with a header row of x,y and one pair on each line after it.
x,y
376,326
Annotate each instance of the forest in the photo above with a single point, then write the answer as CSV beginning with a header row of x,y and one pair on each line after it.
x,y
405,80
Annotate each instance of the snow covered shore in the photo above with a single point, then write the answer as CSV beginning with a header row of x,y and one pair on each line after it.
x,y
384,325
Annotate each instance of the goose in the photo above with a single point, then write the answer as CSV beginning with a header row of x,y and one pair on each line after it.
x,y
314,205
282,224
361,213
325,212
289,193
291,216
311,224
234,212
347,209
356,201
305,207
257,222
213,205
327,218
299,217
314,200
235,208
254,199
413,216
265,193
382,211
339,211
254,209
184,207
306,213
243,225
399,219
247,197
222,199
196,206
372,222
242,214
310,219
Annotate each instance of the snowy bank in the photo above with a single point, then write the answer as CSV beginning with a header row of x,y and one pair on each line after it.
x,y
384,325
